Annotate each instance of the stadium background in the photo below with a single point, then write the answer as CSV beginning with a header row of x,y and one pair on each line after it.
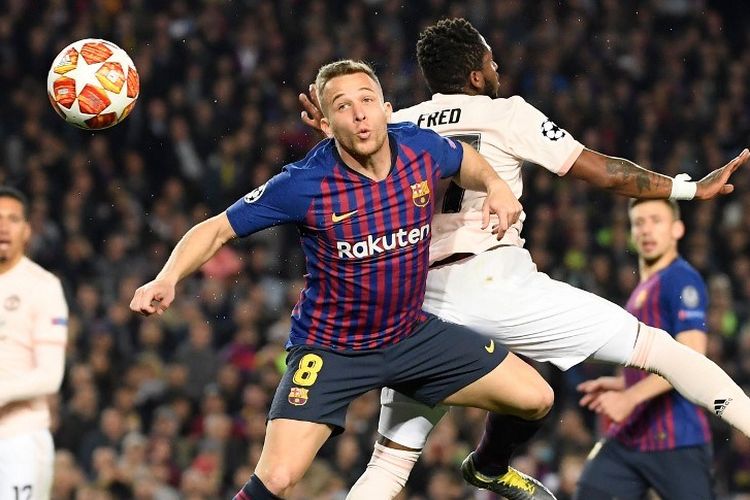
x,y
175,407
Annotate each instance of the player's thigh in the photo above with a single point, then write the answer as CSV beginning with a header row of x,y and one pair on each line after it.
x,y
289,448
513,387
609,474
501,294
26,466
681,473
406,421
318,385
439,359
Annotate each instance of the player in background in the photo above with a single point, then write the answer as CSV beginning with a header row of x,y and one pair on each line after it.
x,y
495,287
362,202
657,438
33,333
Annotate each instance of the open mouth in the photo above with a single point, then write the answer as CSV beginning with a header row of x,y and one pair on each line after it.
x,y
647,246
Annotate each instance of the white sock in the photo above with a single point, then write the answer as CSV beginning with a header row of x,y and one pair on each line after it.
x,y
693,375
386,474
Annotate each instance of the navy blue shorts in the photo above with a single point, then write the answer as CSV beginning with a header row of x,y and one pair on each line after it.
x,y
617,472
437,360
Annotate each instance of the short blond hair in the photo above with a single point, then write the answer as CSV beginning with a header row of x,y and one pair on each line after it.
x,y
340,68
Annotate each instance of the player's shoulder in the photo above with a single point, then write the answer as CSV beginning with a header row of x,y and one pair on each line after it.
x,y
680,274
35,273
467,103
320,156
405,129
409,133
518,106
682,268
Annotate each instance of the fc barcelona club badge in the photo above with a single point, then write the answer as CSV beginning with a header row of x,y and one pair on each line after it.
x,y
420,193
298,396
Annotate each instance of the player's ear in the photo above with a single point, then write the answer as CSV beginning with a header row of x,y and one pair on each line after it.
x,y
476,80
26,234
388,111
678,229
325,126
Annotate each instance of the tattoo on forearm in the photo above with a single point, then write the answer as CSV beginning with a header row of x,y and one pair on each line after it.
x,y
628,174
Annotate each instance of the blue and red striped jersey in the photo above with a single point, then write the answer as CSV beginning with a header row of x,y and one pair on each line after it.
x,y
365,242
673,299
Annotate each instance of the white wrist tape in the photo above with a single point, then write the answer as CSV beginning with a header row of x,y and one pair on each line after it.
x,y
683,188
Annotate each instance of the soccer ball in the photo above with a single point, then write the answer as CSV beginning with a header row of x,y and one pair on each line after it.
x,y
93,84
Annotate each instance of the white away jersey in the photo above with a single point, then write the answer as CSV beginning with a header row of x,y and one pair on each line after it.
x,y
506,132
32,311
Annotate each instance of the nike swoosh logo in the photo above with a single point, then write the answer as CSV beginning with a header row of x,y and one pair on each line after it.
x,y
338,218
490,348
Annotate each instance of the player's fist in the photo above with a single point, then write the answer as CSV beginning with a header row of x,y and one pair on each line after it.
x,y
153,297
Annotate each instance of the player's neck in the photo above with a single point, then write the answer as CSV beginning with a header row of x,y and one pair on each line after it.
x,y
376,166
8,264
648,269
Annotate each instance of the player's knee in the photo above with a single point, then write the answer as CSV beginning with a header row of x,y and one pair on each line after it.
x,y
279,479
534,404
541,399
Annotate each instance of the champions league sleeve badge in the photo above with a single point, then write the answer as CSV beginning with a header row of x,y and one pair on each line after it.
x,y
551,131
255,194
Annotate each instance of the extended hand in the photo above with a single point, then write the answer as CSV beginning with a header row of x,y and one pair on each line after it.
x,y
502,202
595,387
602,384
616,405
715,183
153,297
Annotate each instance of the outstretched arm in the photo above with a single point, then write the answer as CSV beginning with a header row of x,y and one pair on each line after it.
x,y
198,245
626,178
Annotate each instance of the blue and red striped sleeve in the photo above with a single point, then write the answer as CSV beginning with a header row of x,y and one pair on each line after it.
x,y
447,153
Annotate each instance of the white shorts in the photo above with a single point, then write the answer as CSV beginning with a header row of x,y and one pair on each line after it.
x,y
500,293
26,466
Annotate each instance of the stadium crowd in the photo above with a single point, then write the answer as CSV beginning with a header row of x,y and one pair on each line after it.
x,y
174,407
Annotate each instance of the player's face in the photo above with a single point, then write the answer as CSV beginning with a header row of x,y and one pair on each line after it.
x,y
355,114
491,78
14,230
654,230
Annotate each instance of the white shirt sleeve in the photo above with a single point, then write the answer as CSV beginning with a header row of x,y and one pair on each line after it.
x,y
45,378
51,316
536,138
49,336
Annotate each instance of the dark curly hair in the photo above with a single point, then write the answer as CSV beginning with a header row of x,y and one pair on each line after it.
x,y
447,52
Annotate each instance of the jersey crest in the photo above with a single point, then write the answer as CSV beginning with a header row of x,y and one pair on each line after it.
x,y
420,193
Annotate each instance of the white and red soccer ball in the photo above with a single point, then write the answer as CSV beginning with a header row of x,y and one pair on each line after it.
x,y
93,84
